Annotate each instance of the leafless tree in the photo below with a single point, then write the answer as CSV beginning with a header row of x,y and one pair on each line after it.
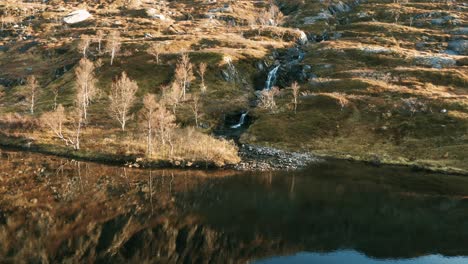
x,y
201,72
122,97
83,44
184,73
99,36
195,106
171,95
159,123
267,98
77,121
150,106
55,121
113,44
86,88
55,91
33,87
295,91
155,50
165,124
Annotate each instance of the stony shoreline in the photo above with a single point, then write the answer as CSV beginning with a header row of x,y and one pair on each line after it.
x,y
253,158
258,158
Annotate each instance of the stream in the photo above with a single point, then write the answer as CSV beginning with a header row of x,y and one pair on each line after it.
x,y
58,210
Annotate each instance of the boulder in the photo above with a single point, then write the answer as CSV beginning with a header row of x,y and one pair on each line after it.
x,y
76,16
459,46
302,38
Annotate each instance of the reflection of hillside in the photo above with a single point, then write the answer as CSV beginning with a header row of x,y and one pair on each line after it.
x,y
320,214
52,209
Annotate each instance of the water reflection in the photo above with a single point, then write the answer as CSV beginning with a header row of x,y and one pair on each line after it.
x,y
58,210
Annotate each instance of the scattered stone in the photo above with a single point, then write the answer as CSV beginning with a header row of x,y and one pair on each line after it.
x,y
265,159
77,16
434,61
153,13
325,15
376,50
225,9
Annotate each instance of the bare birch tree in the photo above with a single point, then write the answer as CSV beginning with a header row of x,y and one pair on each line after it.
x,y
113,44
56,91
86,88
201,72
150,107
122,97
99,37
155,50
33,87
77,122
267,98
159,123
195,106
55,121
171,95
83,44
295,91
184,73
165,124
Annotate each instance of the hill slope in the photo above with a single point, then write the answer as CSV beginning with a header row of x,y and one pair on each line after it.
x,y
380,80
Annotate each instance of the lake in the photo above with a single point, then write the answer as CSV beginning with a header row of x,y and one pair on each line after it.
x,y
58,210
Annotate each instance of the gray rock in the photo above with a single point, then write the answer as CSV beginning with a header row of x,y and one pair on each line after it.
x,y
438,62
459,46
438,21
153,13
460,31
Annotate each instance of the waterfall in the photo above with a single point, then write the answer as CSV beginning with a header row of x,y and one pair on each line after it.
x,y
271,78
241,121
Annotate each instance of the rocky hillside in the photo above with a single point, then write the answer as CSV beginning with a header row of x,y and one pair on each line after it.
x,y
383,81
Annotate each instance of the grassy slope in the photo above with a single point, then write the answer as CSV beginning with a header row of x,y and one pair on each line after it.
x,y
375,123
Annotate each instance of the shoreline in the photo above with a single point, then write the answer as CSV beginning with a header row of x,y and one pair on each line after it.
x,y
254,158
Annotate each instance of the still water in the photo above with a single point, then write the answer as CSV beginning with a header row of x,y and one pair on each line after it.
x,y
59,210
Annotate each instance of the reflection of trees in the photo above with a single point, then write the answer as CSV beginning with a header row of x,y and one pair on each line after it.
x,y
90,212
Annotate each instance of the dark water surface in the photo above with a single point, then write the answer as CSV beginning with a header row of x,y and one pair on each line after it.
x,y
58,210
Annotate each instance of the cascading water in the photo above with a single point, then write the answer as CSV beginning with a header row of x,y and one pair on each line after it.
x,y
271,78
241,121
